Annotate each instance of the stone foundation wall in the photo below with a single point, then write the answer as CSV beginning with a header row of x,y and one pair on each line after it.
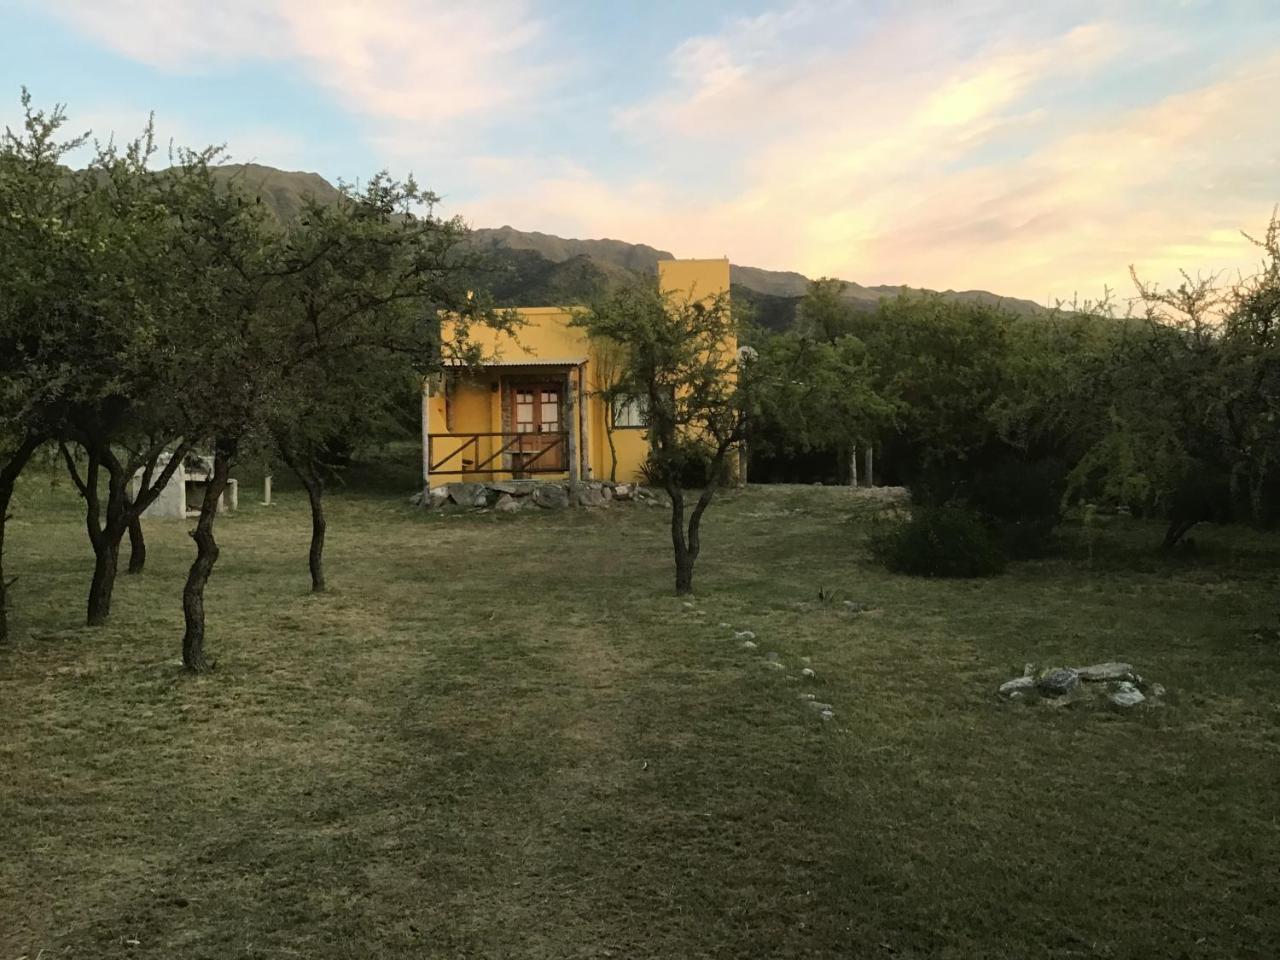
x,y
511,496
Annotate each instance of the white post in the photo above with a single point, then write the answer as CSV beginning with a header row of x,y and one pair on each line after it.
x,y
266,490
853,466
868,464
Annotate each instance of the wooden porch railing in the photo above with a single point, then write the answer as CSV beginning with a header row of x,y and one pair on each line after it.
x,y
523,460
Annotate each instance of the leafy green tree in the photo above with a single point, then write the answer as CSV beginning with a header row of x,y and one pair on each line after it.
x,y
813,395
681,357
364,283
1250,388
609,383
942,365
1160,449
825,315
290,312
122,411
38,253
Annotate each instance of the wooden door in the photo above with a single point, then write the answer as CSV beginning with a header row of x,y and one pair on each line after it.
x,y
537,413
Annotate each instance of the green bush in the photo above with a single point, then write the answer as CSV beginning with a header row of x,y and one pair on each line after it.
x,y
939,542
1020,501
691,465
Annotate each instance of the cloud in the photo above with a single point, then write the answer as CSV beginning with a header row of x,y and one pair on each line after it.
x,y
1032,149
418,60
919,151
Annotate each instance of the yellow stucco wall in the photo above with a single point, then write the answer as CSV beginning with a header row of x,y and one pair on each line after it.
x,y
545,336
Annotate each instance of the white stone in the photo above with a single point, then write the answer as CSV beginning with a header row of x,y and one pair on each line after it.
x,y
1126,695
743,635
806,672
1017,684
748,644
1112,670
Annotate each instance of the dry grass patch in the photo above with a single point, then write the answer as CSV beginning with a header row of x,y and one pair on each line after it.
x,y
503,736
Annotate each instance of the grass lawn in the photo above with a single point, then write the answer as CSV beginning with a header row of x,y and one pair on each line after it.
x,y
505,737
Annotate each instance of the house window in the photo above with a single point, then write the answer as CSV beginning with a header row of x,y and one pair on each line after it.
x,y
631,412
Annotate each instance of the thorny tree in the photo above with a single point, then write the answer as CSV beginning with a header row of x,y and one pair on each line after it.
x,y
681,356
38,254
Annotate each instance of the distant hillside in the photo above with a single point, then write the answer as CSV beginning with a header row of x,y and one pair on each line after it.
x,y
771,285
281,190
533,269
617,253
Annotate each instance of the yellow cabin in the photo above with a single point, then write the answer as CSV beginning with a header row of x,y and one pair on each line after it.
x,y
533,410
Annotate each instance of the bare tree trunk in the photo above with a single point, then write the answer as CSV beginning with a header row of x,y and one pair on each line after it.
x,y
106,557
315,556
193,657
679,544
122,516
313,483
613,455
137,546
106,539
8,479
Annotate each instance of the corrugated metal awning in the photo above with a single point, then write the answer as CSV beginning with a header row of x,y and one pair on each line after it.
x,y
525,362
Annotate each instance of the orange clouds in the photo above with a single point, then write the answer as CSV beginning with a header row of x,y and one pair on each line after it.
x,y
880,178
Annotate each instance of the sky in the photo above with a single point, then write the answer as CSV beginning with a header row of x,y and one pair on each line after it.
x,y
1035,149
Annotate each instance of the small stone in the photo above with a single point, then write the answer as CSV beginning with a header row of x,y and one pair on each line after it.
x,y
743,635
1126,694
774,664
507,504
1112,670
808,696
1157,689
688,605
827,714
806,672
1028,669
1016,685
1059,682
436,497
819,705
748,645
806,660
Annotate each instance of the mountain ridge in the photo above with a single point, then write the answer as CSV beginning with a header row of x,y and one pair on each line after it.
x,y
539,266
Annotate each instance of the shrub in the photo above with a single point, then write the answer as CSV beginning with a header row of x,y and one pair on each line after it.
x,y
939,542
1021,502
691,466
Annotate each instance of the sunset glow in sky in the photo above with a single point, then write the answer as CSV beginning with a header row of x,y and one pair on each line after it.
x,y
1033,149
